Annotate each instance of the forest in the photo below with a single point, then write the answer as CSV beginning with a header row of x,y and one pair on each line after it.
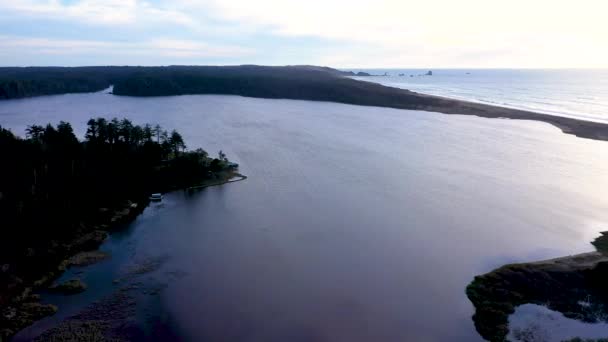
x,y
301,82
249,80
55,188
36,81
285,82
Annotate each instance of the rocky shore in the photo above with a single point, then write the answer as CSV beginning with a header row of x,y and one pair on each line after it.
x,y
576,286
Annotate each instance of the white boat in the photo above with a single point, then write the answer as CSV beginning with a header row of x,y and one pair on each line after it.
x,y
156,197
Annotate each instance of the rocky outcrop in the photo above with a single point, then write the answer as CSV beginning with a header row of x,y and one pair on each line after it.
x,y
350,73
561,284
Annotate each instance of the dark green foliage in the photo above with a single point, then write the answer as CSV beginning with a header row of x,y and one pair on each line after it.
x,y
289,82
52,186
558,285
35,81
601,243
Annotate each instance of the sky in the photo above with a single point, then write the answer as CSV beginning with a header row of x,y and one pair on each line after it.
x,y
337,33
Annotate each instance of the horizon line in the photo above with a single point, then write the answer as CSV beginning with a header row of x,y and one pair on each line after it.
x,y
315,65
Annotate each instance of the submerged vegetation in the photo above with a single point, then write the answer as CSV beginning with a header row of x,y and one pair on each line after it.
x,y
71,286
59,195
576,286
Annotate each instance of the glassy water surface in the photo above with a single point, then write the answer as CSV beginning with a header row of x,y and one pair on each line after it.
x,y
355,224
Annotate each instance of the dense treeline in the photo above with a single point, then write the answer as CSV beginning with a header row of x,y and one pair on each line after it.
x,y
146,81
36,81
254,81
289,82
54,187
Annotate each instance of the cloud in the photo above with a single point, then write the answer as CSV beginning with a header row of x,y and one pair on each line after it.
x,y
436,32
97,12
165,47
364,33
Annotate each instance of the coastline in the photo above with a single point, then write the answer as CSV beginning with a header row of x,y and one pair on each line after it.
x,y
561,284
471,96
406,99
25,308
312,83
581,128
332,86
230,177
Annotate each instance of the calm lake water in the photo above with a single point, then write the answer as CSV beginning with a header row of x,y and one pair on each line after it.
x,y
355,224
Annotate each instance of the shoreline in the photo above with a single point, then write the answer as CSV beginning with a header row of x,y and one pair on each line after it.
x,y
371,94
411,100
586,129
25,307
575,116
561,284
593,130
331,85
312,83
240,177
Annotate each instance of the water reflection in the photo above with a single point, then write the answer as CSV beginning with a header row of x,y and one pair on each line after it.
x,y
355,224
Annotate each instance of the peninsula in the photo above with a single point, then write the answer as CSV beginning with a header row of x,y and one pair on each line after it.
x,y
61,197
573,285
289,82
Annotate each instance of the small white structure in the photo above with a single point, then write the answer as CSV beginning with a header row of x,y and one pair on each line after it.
x,y
156,197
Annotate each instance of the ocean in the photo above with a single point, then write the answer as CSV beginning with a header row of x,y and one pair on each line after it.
x,y
575,93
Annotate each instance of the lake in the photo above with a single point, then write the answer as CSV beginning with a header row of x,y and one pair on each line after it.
x,y
355,224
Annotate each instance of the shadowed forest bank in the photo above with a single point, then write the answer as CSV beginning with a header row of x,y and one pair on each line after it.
x,y
574,285
60,196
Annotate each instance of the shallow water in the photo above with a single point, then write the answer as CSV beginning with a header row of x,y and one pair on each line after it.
x,y
532,322
355,224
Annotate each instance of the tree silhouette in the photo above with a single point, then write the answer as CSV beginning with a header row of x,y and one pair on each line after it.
x,y
34,132
176,141
222,156
157,131
53,186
